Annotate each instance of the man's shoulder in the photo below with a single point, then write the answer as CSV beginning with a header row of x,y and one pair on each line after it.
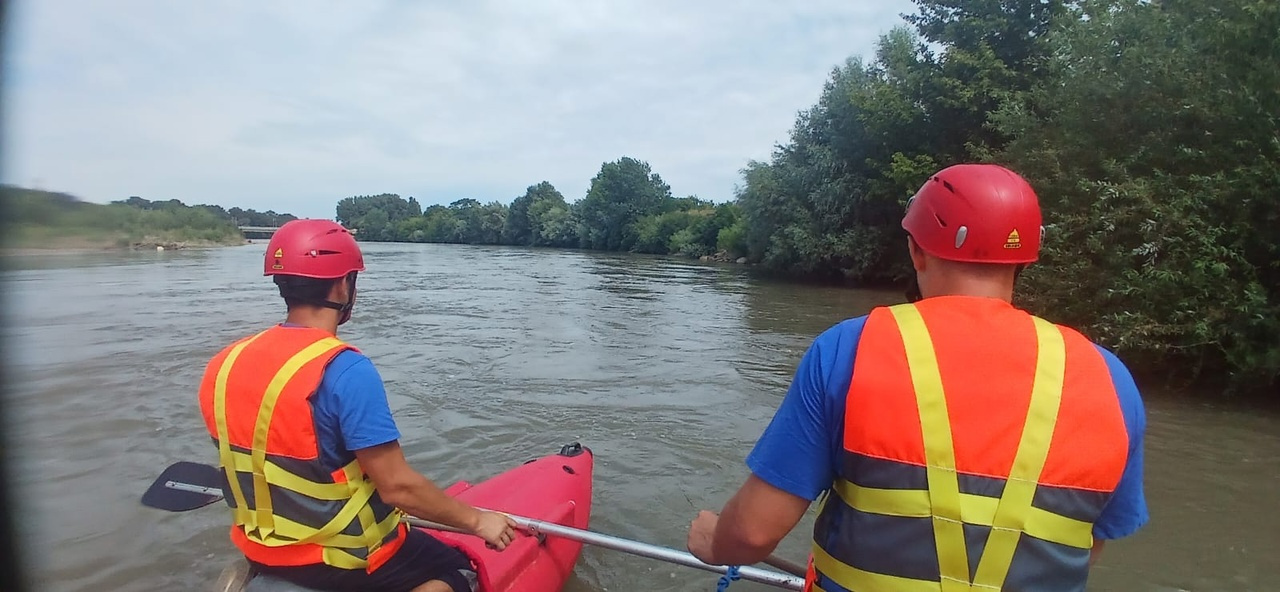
x,y
349,361
349,376
216,362
844,331
1126,388
1113,362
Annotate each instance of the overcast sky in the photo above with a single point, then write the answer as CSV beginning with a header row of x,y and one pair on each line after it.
x,y
291,106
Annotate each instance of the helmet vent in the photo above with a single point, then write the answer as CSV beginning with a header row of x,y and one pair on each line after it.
x,y
961,234
941,222
948,186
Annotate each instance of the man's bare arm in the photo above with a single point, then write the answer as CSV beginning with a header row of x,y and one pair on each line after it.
x,y
407,489
752,524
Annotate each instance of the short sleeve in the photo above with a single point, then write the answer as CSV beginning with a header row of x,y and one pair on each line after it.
x,y
360,402
798,450
1126,511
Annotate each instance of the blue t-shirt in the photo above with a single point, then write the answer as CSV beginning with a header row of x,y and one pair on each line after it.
x,y
799,450
350,409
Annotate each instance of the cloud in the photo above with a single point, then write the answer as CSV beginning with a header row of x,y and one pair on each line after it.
x,y
292,106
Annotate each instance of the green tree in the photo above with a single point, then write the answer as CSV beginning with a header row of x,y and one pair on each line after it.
x,y
523,217
621,193
351,212
1154,150
441,225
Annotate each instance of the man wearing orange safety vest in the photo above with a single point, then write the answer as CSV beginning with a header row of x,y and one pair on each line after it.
x,y
315,477
962,443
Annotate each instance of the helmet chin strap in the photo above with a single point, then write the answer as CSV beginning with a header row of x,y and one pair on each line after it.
x,y
343,308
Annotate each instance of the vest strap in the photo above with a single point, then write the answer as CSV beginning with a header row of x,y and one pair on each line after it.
x,y
281,477
940,457
974,509
853,578
1015,502
240,513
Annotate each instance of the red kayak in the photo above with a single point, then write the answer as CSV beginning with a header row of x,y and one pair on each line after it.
x,y
556,489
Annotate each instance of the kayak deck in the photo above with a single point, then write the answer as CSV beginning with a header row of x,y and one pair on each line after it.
x,y
555,488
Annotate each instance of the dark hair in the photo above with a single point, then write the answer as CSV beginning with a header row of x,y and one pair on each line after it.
x,y
303,291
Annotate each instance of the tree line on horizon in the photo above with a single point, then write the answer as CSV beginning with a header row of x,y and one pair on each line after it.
x,y
1150,130
627,208
237,216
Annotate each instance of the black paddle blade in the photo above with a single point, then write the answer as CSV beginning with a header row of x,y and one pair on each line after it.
x,y
184,486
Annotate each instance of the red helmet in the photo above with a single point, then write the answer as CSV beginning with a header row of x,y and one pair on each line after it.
x,y
312,248
977,213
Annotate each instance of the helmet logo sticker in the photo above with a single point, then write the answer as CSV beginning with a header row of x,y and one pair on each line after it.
x,y
1014,241
961,234
278,254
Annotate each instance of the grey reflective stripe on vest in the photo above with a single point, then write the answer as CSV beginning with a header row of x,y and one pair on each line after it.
x,y
904,546
1081,504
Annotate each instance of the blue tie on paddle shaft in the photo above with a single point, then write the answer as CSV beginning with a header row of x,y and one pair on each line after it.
x,y
729,577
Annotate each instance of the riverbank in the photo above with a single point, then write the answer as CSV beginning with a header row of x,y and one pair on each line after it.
x,y
723,257
42,222
23,238
81,250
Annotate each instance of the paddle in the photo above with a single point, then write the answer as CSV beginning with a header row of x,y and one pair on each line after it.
x,y
184,486
187,486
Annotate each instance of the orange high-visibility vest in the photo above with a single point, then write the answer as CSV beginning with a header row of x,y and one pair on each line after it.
x,y
980,446
287,507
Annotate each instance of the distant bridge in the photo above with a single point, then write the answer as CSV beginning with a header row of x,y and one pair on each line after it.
x,y
258,231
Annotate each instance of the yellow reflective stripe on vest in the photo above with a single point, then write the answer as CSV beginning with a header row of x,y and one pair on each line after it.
x,y
341,559
939,454
345,560
281,477
372,530
225,455
852,578
1015,502
289,532
974,509
261,494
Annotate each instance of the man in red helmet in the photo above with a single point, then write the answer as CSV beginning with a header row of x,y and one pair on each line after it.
x,y
315,477
962,443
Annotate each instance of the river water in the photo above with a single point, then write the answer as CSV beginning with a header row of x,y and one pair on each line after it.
x,y
667,370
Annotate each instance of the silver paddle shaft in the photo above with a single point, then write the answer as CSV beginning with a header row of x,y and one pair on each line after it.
x,y
748,573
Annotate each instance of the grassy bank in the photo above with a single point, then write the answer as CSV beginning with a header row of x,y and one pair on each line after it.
x,y
46,220
37,237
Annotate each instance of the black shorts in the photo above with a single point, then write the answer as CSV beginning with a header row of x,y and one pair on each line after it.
x,y
419,560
